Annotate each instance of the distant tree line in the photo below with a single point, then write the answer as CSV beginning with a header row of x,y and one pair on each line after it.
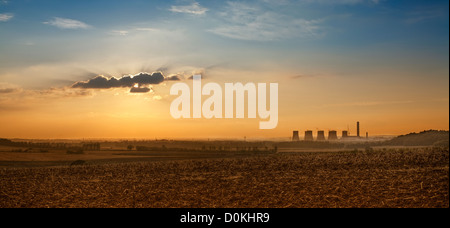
x,y
7,142
209,148
71,147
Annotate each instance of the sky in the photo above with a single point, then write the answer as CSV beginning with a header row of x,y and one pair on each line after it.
x,y
68,68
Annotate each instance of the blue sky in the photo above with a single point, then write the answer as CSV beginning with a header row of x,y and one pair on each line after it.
x,y
268,24
371,52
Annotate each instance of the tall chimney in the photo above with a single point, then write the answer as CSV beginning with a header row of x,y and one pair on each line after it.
x,y
357,129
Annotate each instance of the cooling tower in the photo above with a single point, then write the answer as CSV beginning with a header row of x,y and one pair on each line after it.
x,y
344,134
332,135
295,136
321,135
309,136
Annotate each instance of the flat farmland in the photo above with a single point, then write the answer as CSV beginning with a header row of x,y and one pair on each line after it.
x,y
412,178
53,157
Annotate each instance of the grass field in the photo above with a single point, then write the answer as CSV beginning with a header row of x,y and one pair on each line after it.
x,y
386,178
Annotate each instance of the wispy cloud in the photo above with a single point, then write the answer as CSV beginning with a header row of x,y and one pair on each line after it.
x,y
15,98
63,92
120,32
6,17
147,29
9,90
194,8
251,22
301,76
65,23
6,88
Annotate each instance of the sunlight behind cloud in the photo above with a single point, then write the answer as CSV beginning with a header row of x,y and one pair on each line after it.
x,y
335,61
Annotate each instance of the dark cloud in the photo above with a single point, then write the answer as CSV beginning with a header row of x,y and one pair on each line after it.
x,y
102,82
173,78
146,79
99,82
140,90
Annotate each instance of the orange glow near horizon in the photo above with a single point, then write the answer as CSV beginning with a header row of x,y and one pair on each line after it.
x,y
67,72
116,113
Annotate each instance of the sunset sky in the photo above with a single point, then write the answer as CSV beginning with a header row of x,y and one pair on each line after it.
x,y
381,62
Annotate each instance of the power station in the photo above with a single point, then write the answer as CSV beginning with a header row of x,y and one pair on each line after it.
x,y
357,129
309,136
295,136
332,135
321,136
344,134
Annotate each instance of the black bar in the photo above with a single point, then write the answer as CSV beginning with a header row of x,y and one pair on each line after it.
x,y
241,217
